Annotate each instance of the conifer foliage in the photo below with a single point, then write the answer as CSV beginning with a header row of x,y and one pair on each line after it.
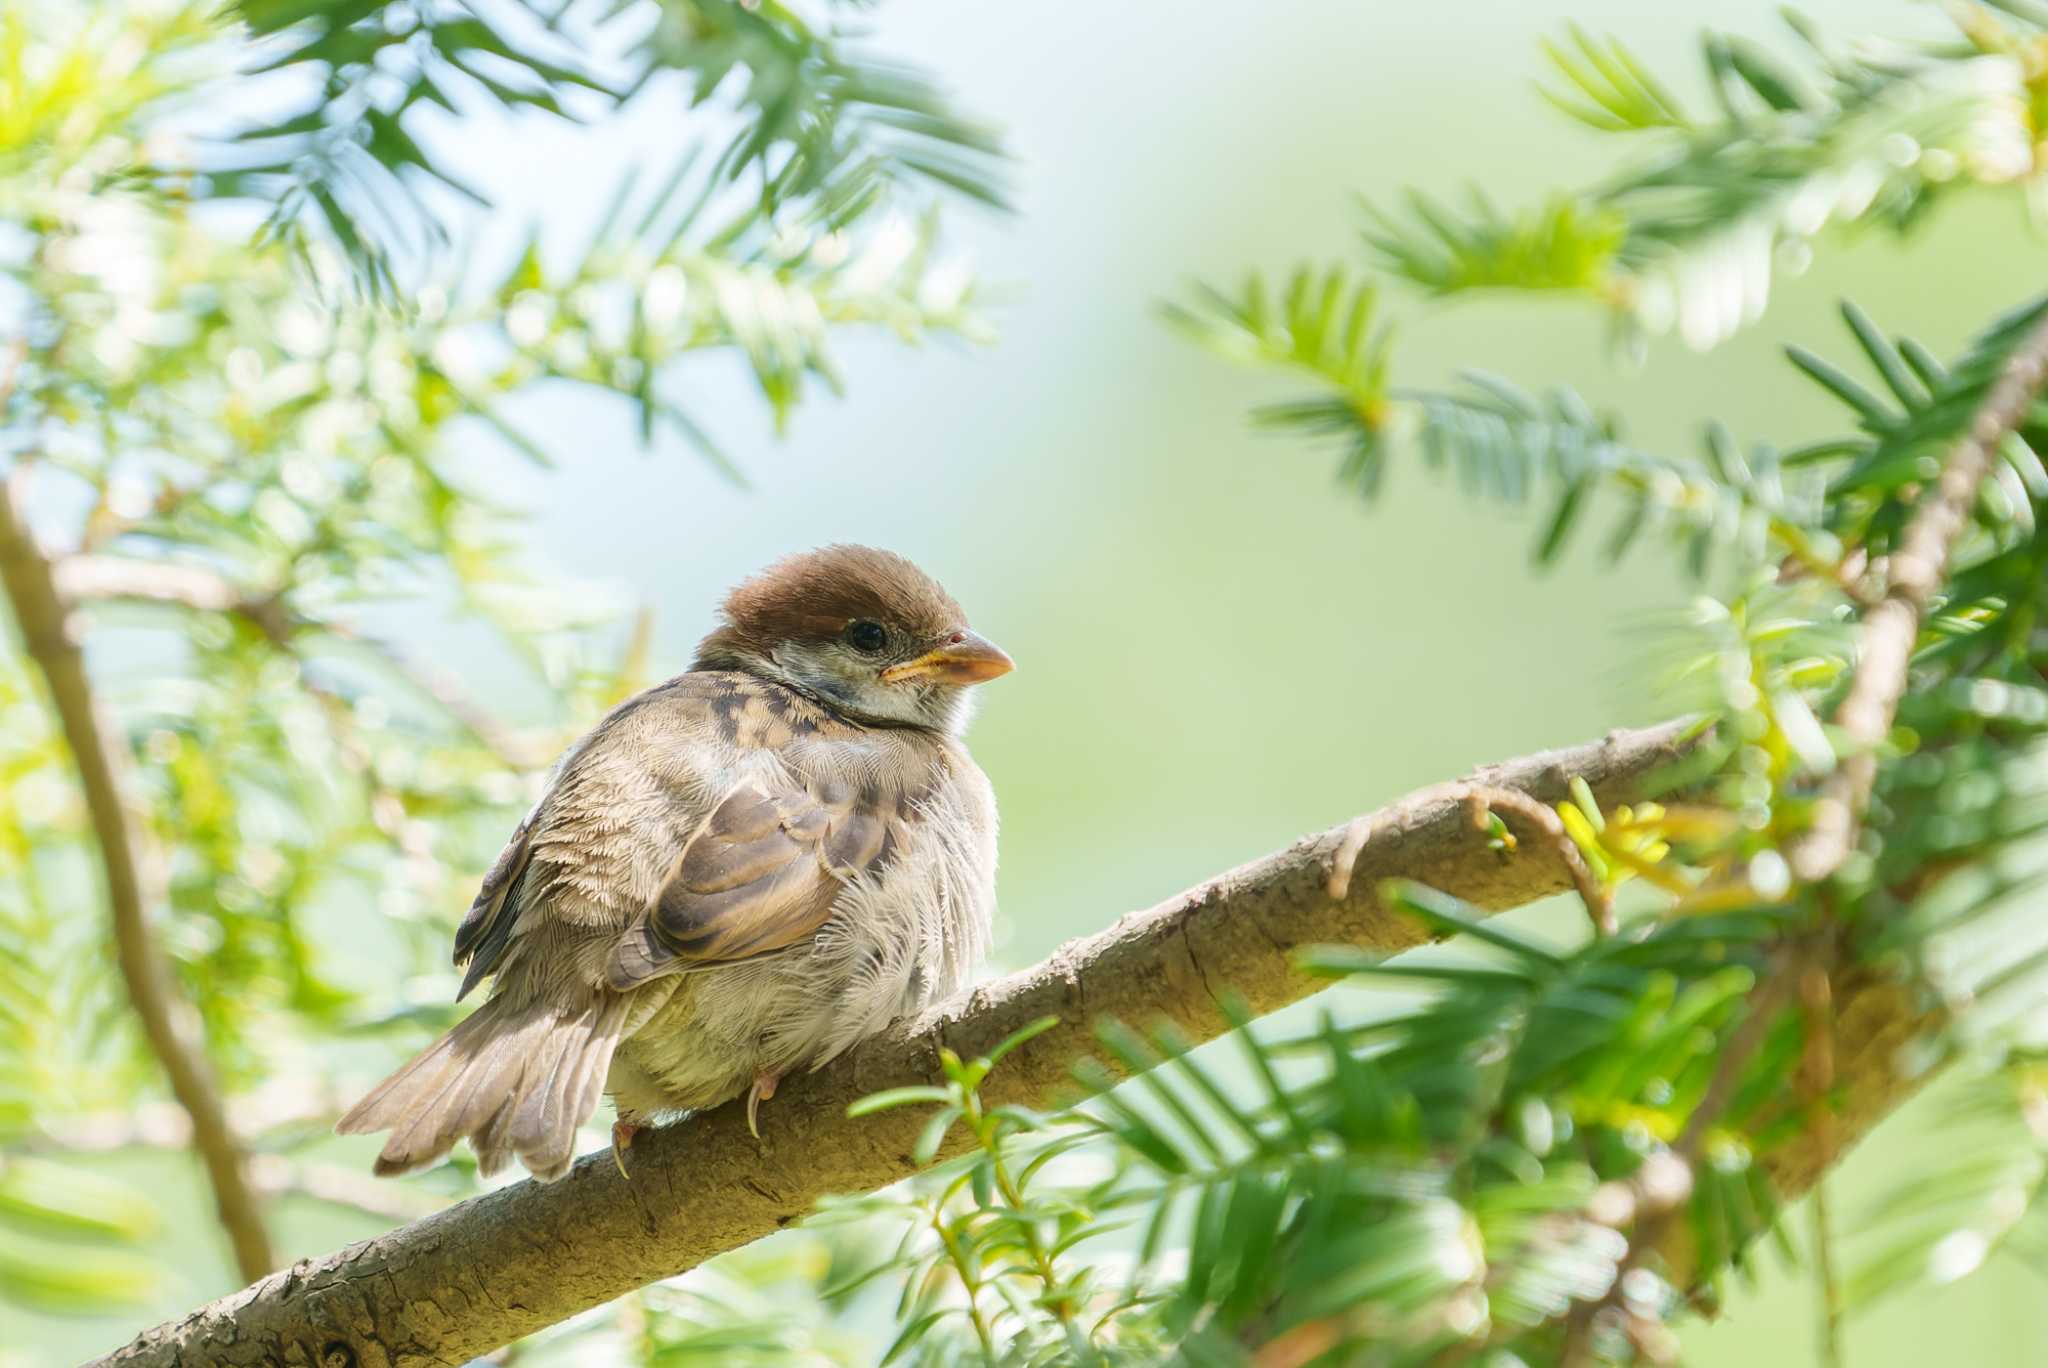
x,y
227,446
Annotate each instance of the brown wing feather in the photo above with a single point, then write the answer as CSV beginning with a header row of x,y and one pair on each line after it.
x,y
487,927
759,875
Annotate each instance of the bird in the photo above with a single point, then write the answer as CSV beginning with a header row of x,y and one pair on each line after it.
x,y
735,876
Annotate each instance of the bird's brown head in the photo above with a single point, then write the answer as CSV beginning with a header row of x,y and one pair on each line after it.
x,y
865,630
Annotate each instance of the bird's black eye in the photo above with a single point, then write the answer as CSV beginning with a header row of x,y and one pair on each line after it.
x,y
866,637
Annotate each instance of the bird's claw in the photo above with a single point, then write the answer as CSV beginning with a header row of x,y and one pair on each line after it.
x,y
622,1140
763,1089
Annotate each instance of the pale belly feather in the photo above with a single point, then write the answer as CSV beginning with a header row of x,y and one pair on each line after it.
x,y
895,944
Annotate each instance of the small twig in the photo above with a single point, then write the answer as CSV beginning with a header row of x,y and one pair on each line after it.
x,y
276,1107
1301,1345
1480,799
1344,862
10,372
1816,1074
1851,575
1830,1287
970,1284
1816,1083
87,578
1747,1039
446,688
168,1023
1653,1219
1891,626
80,577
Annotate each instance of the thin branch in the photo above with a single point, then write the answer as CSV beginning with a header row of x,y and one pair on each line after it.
x,y
446,688
168,1023
1748,1038
1891,627
1655,1219
84,577
1827,1285
279,1113
89,578
277,1109
1481,799
507,1263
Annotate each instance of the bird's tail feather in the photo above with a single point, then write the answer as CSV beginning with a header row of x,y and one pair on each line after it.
x,y
515,1080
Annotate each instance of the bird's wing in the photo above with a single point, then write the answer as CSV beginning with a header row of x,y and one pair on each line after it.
x,y
487,927
758,875
599,776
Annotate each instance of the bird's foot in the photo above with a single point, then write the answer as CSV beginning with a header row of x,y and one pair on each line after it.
x,y
764,1088
623,1132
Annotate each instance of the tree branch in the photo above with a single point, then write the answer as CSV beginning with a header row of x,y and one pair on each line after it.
x,y
167,1022
1480,802
502,1265
1889,632
279,1107
513,1261
1658,1227
89,578
80,578
1890,629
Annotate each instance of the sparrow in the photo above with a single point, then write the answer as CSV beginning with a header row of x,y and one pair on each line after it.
x,y
735,876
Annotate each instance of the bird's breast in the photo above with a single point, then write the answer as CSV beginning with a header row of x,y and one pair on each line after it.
x,y
898,940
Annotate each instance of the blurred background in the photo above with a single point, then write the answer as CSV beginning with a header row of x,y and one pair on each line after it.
x,y
1219,648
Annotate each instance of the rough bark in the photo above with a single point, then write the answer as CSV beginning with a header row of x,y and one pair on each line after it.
x,y
168,1023
471,1278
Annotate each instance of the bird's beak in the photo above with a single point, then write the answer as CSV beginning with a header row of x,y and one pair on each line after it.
x,y
966,658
